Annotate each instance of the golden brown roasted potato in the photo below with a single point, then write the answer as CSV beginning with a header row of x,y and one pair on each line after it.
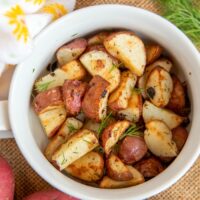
x,y
134,110
111,134
151,112
132,149
98,62
77,146
129,49
162,62
117,170
107,182
94,103
177,100
69,71
149,167
118,100
89,168
98,38
159,87
71,51
153,52
70,126
158,138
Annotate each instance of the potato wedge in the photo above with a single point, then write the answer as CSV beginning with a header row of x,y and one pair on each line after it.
x,y
94,103
89,168
118,100
69,71
129,49
158,138
110,183
99,62
111,134
51,118
117,170
162,62
134,110
98,38
159,87
153,52
71,51
177,100
91,125
77,146
70,126
151,112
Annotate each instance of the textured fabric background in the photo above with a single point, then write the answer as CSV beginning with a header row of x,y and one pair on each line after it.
x,y
27,181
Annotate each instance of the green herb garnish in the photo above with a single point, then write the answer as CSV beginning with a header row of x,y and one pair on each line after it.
x,y
33,70
115,66
64,159
71,127
99,149
87,141
74,34
133,130
41,87
138,90
185,15
103,124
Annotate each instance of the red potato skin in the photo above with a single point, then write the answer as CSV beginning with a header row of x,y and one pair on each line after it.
x,y
77,43
132,149
7,182
73,92
149,167
90,104
51,97
51,194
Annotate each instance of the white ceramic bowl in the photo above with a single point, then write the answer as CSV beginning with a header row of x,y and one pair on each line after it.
x,y
25,125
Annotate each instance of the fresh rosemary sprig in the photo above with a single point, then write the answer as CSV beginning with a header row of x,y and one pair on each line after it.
x,y
41,87
133,130
185,15
71,128
103,124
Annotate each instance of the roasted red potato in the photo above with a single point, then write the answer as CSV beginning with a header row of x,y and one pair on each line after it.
x,y
98,38
149,167
94,103
73,92
71,51
132,149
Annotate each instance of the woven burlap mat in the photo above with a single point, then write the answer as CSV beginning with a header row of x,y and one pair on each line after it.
x,y
27,181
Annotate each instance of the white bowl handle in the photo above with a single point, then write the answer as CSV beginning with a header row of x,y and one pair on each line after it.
x,y
4,120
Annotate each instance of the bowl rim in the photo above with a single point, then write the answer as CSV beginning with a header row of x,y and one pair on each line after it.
x,y
29,158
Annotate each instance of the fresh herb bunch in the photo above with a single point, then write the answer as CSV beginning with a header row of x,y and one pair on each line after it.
x,y
133,130
185,14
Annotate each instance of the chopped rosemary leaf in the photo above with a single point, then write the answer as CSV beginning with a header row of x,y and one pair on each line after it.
x,y
133,130
75,34
115,66
87,141
71,127
33,70
64,159
103,124
41,87
99,149
138,90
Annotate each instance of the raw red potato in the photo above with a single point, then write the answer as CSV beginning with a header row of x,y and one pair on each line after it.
x,y
94,103
132,149
73,92
51,194
7,182
71,51
149,167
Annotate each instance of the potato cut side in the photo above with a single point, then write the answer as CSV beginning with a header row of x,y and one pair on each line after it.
x,y
162,62
153,52
158,138
134,110
69,127
110,183
112,133
52,118
71,51
117,170
91,125
89,168
78,145
159,87
99,62
129,49
71,70
151,112
98,38
118,100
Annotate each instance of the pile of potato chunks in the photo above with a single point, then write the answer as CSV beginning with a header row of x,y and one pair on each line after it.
x,y
116,73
